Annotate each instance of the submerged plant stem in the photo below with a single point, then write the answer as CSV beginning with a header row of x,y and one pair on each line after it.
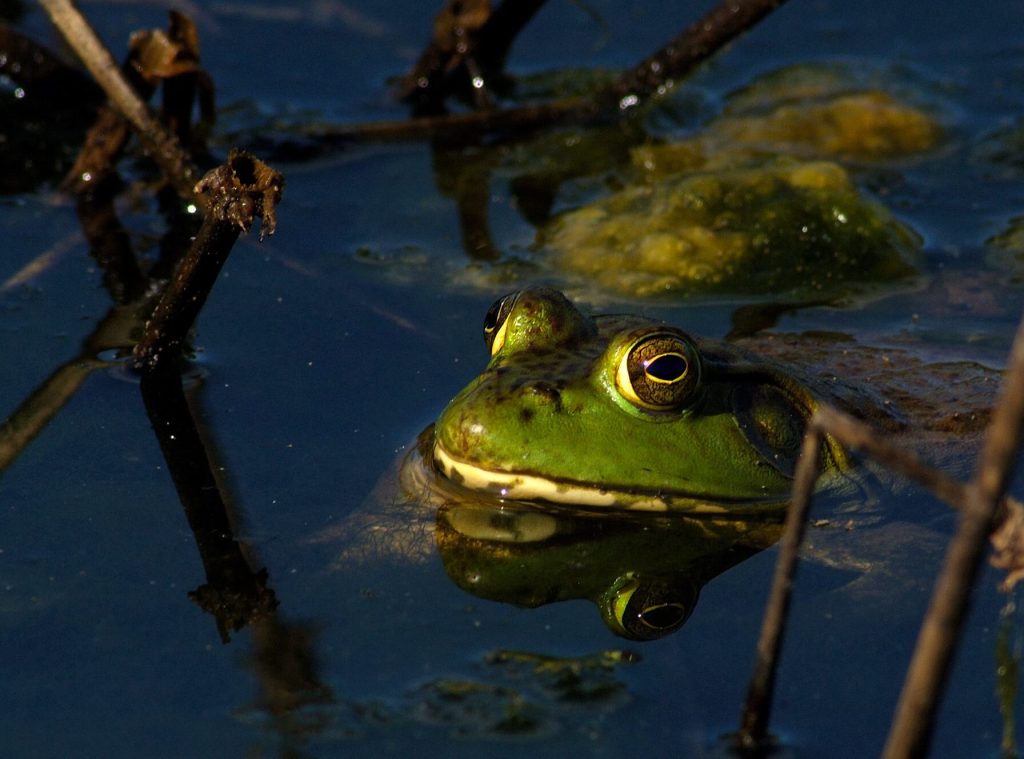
x,y
856,435
46,401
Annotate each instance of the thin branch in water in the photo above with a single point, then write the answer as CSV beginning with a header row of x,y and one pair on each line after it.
x,y
502,28
910,733
109,242
154,57
650,78
677,59
106,138
40,264
858,436
36,411
854,435
452,50
753,733
159,143
467,51
241,190
113,332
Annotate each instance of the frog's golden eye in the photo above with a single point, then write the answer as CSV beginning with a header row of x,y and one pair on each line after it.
x,y
496,321
646,610
660,372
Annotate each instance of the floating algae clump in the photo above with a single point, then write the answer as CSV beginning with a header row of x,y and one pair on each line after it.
x,y
757,202
867,126
795,229
859,127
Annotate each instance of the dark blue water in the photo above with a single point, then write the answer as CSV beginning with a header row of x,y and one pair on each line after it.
x,y
327,348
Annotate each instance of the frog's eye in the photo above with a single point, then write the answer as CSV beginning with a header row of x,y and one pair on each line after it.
x,y
660,372
496,321
646,610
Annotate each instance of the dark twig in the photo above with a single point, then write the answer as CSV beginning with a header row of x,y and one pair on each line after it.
x,y
36,411
106,138
109,243
910,733
753,734
159,143
449,60
854,435
502,28
858,436
684,53
469,42
154,57
241,190
650,78
456,125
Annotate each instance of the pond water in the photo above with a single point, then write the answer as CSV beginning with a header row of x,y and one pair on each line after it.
x,y
324,350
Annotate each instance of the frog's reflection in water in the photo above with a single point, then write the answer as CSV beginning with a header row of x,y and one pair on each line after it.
x,y
644,572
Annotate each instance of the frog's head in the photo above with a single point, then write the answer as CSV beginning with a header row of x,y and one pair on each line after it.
x,y
620,412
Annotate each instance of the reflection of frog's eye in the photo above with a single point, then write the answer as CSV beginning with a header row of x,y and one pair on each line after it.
x,y
660,372
648,610
496,321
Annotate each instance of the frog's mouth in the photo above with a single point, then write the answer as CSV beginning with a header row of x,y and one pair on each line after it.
x,y
520,486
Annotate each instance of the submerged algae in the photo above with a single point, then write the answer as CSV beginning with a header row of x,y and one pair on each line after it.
x,y
795,229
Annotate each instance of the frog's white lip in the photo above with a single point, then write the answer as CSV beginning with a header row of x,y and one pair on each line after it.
x,y
518,486
530,487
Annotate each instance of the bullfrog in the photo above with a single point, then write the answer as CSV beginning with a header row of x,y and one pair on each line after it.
x,y
619,459
623,413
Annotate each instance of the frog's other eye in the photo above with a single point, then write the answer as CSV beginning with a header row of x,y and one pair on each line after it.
x,y
496,321
660,372
641,609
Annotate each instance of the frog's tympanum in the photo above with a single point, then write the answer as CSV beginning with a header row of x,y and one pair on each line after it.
x,y
620,413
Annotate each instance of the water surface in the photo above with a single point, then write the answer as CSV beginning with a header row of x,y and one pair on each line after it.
x,y
326,349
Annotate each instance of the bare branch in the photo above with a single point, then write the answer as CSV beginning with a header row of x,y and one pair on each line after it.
x,y
910,733
241,190
159,143
753,732
650,78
